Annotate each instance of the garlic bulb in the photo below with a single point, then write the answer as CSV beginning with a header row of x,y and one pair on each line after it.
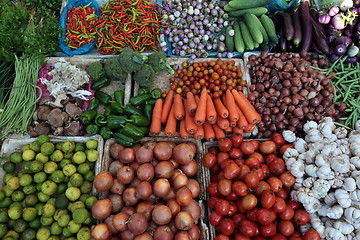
x,y
335,212
289,136
349,184
330,199
344,227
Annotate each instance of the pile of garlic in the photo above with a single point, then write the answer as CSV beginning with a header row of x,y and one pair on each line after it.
x,y
326,164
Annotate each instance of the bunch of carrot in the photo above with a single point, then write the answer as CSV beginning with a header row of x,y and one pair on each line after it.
x,y
203,117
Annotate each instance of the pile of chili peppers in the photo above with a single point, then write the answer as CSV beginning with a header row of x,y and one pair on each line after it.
x,y
80,26
128,23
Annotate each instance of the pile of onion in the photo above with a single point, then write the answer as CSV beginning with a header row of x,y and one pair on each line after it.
x,y
152,193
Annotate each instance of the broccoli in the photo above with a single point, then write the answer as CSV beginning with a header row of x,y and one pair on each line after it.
x,y
145,76
159,63
113,70
96,71
131,61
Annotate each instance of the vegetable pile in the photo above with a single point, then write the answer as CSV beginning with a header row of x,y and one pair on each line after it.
x,y
152,193
47,190
249,191
326,166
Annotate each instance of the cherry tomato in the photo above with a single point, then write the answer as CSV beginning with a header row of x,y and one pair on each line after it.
x,y
284,147
231,196
258,156
212,202
252,162
213,189
248,228
282,194
265,169
235,153
240,188
262,186
286,228
240,206
209,160
301,217
279,205
278,139
247,148
278,236
265,216
251,179
224,144
241,237
251,214
275,184
233,208
231,171
259,238
221,237
224,186
277,166
287,214
269,158
222,207
213,150
239,162
244,169
221,156
256,144
267,147
287,178
227,226
214,218
249,201
221,175
295,238
236,139
237,218
225,163
267,199
296,234
294,205
259,172
311,234
215,169
268,230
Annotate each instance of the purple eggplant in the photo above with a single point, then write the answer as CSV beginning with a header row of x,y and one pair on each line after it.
x,y
340,49
343,40
282,42
319,35
324,19
297,28
356,35
354,10
333,11
351,59
288,25
333,57
306,25
339,21
358,27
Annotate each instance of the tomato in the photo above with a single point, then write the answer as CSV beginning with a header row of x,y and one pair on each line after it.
x,y
265,169
279,205
252,162
227,226
224,144
258,156
240,206
244,169
311,234
259,172
256,144
265,216
259,238
267,147
209,160
236,139
235,153
214,218
241,237
277,166
232,209
237,218
214,178
262,186
269,158
296,234
239,162
301,217
213,150
222,156
251,214
251,179
295,238
247,148
213,189
215,169
224,186
284,147
286,228
249,201
268,230
282,194
221,237
240,188
275,184
225,163
248,228
221,175
278,236
267,199
222,207
278,139
294,205
231,196
287,214
212,202
231,171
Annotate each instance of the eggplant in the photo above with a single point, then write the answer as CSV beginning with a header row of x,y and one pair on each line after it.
x,y
315,48
340,49
352,51
297,28
333,57
319,35
288,25
343,40
351,59
282,42
306,25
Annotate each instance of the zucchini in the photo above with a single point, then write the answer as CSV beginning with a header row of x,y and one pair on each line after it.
x,y
238,40
229,40
262,29
258,11
248,41
246,4
254,27
270,28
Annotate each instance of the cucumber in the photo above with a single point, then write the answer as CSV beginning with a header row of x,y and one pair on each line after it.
x,y
229,40
270,28
262,29
256,45
254,27
246,4
258,11
238,40
248,41
228,8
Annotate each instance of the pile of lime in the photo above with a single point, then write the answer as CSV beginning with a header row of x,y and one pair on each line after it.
x,y
47,192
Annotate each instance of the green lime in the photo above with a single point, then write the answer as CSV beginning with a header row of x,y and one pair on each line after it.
x,y
6,202
92,144
54,238
47,148
15,212
29,214
2,195
12,235
90,202
83,197
25,147
4,217
16,157
8,176
36,166
28,155
89,221
76,180
74,227
29,189
43,139
9,167
49,187
61,202
28,234
51,201
91,165
75,205
50,167
72,193
26,167
31,200
43,234
79,157
83,168
66,232
38,186
42,158
80,147
69,170
34,224
92,155
84,234
85,187
39,208
58,146
3,230
46,221
80,215
11,223
55,229
13,183
68,146
61,188
8,192
16,204
20,225
57,156
58,214
18,196
64,220
35,146
40,177
68,155
57,176
90,176
26,180
48,210
64,162
43,197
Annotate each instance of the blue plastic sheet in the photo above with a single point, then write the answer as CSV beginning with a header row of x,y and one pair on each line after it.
x,y
281,5
63,17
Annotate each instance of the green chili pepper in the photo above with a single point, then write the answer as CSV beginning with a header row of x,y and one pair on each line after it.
x,y
88,117
100,120
148,111
92,129
105,132
93,104
104,98
123,139
119,96
156,93
100,83
114,122
107,111
132,131
151,102
140,100
145,130
131,109
139,120
143,91
116,108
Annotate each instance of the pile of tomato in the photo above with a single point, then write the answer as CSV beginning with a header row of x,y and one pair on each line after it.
x,y
249,191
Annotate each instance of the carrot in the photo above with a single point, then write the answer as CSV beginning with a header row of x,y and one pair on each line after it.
x,y
167,106
242,123
179,110
190,125
238,130
199,134
191,102
197,99
231,106
219,133
220,108
170,128
210,109
155,126
250,128
223,123
200,114
228,130
209,132
183,133
252,116
233,124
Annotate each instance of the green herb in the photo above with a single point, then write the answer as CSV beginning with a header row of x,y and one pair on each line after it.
x,y
6,81
45,7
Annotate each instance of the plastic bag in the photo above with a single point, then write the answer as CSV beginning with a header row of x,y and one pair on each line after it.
x,y
281,5
63,17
